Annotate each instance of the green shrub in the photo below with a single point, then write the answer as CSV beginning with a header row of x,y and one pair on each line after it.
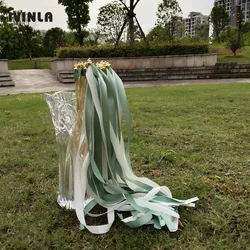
x,y
132,51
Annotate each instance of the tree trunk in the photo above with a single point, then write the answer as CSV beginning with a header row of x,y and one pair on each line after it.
x,y
130,19
79,34
79,28
131,22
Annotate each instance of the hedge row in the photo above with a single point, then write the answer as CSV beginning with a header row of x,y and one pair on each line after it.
x,y
131,51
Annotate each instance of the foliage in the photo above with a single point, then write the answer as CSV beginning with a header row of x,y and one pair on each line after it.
x,y
246,27
235,40
72,38
206,125
30,41
168,17
8,41
234,44
246,38
54,38
4,27
202,32
157,34
166,10
137,34
94,37
240,25
18,40
201,35
4,12
132,22
227,32
189,40
110,20
220,19
132,51
78,15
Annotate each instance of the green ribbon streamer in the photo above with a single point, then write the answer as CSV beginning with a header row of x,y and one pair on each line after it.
x,y
110,180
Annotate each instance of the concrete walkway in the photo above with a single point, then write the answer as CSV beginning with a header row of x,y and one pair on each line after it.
x,y
34,81
40,81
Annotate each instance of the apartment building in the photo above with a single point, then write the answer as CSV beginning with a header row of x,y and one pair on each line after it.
x,y
231,8
194,20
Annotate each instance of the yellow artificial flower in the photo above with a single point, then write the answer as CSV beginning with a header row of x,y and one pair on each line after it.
x,y
103,65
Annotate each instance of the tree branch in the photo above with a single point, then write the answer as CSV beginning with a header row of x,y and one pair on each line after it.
x,y
136,3
140,28
120,34
124,5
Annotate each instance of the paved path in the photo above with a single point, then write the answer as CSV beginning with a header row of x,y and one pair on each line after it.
x,y
34,81
40,81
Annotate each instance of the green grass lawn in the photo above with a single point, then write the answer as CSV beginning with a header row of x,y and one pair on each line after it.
x,y
208,126
226,55
42,63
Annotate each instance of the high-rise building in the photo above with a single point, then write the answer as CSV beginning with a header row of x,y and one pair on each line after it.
x,y
194,20
232,7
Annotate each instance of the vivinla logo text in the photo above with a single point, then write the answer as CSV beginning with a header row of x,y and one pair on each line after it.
x,y
20,16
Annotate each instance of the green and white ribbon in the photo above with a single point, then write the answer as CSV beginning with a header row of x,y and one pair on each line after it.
x,y
105,173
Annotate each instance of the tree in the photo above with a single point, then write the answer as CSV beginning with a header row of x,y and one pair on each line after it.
x,y
4,26
94,37
246,33
110,20
157,34
7,41
227,33
202,32
137,33
20,41
17,39
54,38
220,19
234,44
240,25
246,27
8,34
30,41
78,16
71,38
131,19
235,37
4,12
168,16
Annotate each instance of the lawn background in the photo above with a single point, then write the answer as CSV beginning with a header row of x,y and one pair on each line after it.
x,y
194,139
